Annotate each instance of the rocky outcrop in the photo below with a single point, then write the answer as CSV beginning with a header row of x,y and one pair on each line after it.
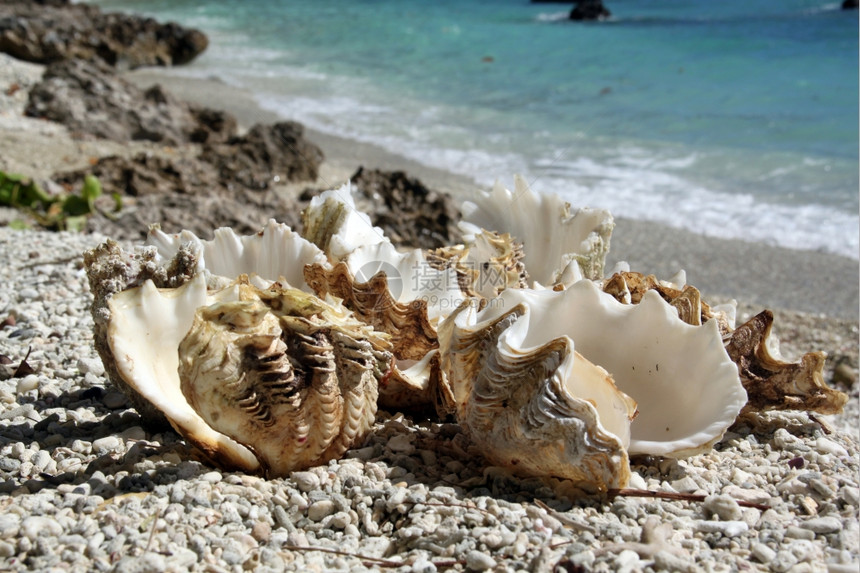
x,y
589,10
266,155
91,101
49,31
177,193
230,184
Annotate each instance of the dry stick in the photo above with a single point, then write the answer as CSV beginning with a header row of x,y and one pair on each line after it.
x,y
366,558
627,492
565,520
152,531
825,427
62,261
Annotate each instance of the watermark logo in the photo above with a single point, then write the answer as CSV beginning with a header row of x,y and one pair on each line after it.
x,y
395,282
435,287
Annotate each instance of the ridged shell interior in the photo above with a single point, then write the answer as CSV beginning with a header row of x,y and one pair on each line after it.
x,y
685,385
539,410
410,278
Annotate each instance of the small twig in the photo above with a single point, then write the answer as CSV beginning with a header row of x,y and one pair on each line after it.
x,y
565,520
62,261
366,559
152,531
628,492
463,505
825,427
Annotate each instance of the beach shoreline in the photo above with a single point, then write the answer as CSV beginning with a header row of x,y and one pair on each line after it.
x,y
755,273
86,484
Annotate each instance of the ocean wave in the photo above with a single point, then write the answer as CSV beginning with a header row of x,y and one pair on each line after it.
x,y
552,16
630,181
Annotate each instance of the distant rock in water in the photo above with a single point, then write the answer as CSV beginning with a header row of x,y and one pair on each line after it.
x,y
47,31
589,10
89,99
849,4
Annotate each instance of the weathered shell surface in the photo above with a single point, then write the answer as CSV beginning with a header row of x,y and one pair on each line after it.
x,y
332,222
686,387
280,371
552,236
773,383
629,288
489,264
145,329
398,293
534,405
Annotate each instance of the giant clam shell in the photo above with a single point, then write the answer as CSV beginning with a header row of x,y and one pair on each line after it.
x,y
270,380
273,379
405,294
276,252
552,235
771,382
263,376
684,383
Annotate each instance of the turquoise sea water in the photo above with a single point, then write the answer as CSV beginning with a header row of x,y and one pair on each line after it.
x,y
734,119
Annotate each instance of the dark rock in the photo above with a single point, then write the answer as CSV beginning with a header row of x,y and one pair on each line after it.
x,y
177,194
849,4
186,193
246,212
410,214
266,155
50,31
589,10
91,101
146,174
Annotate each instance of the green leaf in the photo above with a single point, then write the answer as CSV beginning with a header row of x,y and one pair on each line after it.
x,y
92,188
75,206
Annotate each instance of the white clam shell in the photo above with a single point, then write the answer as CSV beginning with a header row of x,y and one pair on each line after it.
x,y
147,325
333,223
552,235
275,253
685,385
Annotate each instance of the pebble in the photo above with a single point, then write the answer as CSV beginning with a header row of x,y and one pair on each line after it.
x,y
306,481
35,526
726,528
91,365
212,477
401,443
27,383
762,553
107,445
822,525
795,532
724,507
479,561
114,400
825,446
321,509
